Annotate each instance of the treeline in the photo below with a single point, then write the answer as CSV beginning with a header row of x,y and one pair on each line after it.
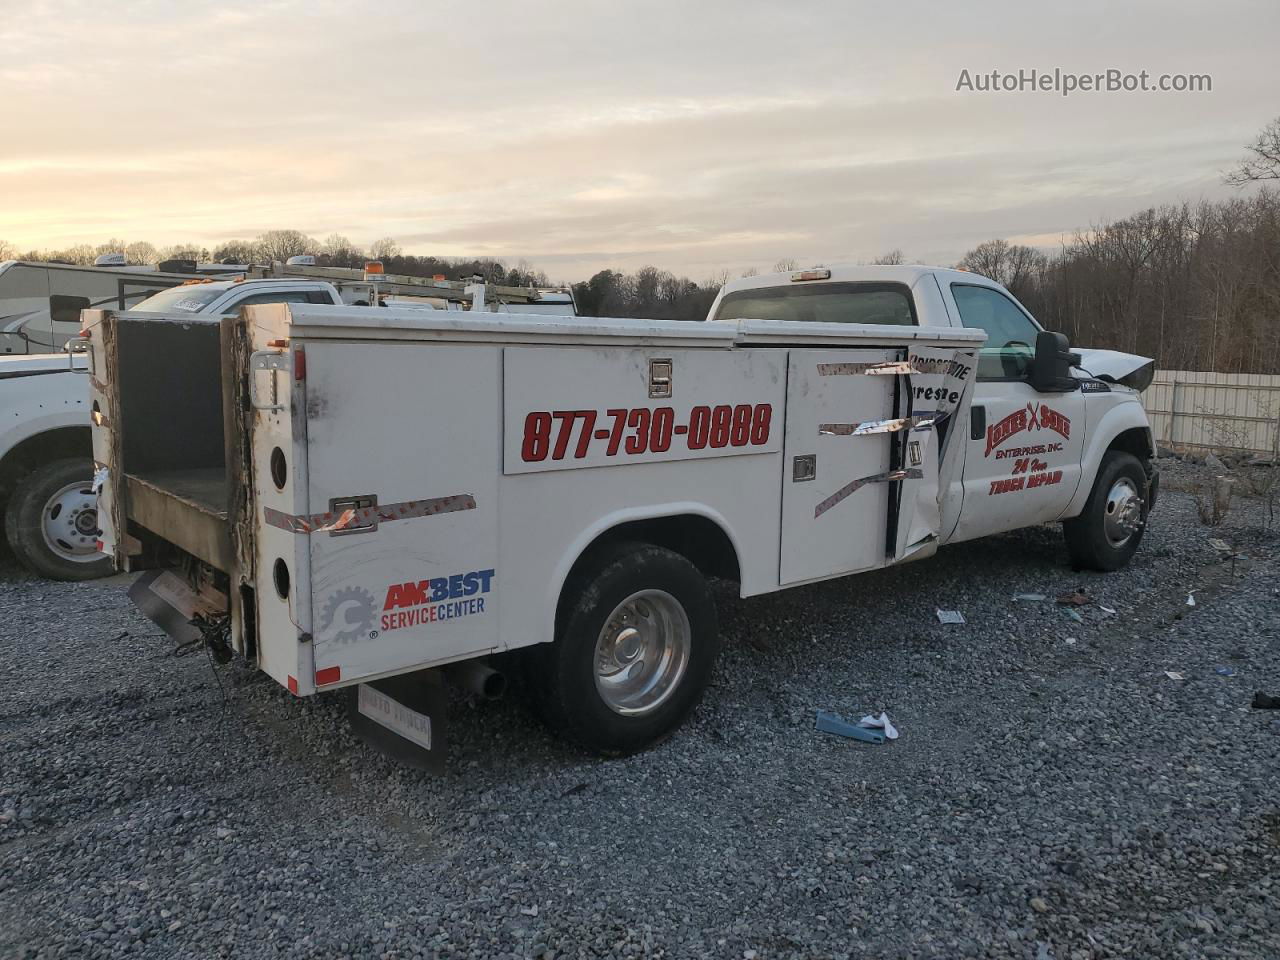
x,y
1197,286
334,251
649,292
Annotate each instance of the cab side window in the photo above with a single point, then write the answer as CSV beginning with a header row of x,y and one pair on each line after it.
x,y
1011,334
287,296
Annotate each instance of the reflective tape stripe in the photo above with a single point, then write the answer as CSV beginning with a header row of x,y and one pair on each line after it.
x,y
873,426
325,522
881,368
850,488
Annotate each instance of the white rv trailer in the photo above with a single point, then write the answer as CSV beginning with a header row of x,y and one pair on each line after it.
x,y
40,303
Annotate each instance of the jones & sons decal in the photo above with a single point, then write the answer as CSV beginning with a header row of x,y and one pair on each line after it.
x,y
1031,417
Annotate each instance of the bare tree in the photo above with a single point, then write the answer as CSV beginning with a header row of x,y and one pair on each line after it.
x,y
341,252
892,258
283,244
786,264
237,251
141,252
717,279
185,251
8,251
384,249
81,253
114,245
1264,162
751,272
524,274
1009,264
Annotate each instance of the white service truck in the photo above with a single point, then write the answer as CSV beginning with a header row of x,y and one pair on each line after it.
x,y
352,497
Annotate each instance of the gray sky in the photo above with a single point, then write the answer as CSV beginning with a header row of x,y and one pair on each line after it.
x,y
582,135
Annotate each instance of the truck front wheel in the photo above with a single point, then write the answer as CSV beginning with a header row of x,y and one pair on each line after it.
x,y
1107,532
52,522
635,644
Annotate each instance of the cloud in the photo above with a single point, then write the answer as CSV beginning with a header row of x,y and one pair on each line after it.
x,y
591,135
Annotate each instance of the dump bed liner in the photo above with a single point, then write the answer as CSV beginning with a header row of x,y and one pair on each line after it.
x,y
189,507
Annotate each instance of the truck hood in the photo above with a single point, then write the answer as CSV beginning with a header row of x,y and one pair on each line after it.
x,y
1126,368
27,365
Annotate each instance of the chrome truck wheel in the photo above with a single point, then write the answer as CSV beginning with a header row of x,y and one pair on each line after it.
x,y
52,521
636,640
642,652
1109,528
1122,515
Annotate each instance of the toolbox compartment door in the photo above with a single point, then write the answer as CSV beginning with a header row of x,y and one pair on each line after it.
x,y
835,502
403,456
935,400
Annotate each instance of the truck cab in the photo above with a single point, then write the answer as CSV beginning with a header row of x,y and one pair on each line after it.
x,y
1045,430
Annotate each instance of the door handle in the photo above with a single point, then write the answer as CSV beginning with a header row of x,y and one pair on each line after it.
x,y
977,422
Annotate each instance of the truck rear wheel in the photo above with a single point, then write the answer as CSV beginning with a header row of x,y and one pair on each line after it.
x,y
52,522
635,644
1107,532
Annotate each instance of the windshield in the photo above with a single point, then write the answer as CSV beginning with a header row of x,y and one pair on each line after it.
x,y
189,298
822,303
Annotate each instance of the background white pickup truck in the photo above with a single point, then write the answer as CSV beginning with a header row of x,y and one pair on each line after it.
x,y
46,465
349,496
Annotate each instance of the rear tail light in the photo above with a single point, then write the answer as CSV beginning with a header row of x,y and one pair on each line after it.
x,y
811,275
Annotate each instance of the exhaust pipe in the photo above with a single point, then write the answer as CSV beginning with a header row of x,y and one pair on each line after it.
x,y
477,677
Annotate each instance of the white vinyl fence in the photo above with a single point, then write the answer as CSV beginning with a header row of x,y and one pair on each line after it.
x,y
1214,411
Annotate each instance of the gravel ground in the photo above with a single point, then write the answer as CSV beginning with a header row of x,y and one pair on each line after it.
x,y
1053,794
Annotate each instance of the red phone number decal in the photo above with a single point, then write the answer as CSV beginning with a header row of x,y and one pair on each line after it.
x,y
641,430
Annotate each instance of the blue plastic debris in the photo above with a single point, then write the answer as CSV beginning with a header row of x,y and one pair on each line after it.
x,y
1224,671
830,723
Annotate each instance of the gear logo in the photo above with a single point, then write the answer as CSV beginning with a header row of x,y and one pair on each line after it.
x,y
347,616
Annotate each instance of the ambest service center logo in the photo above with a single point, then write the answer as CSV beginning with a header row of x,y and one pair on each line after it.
x,y
421,602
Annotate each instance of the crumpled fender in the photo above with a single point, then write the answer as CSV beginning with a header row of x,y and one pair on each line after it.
x,y
1116,366
1125,415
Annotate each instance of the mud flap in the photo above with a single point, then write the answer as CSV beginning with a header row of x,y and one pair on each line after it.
x,y
171,604
405,717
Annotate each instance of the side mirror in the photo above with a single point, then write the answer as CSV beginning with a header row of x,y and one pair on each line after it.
x,y
1051,368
